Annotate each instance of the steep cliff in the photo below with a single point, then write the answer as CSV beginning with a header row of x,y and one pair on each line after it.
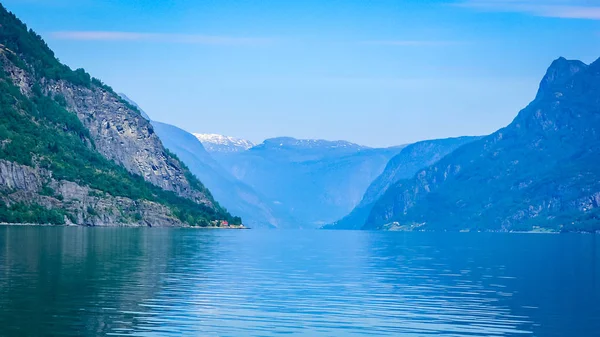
x,y
541,171
69,129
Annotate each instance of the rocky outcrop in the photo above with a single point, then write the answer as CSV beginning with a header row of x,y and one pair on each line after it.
x,y
124,136
119,133
86,206
19,177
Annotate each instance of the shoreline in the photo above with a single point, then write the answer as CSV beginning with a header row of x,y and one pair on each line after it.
x,y
490,231
8,224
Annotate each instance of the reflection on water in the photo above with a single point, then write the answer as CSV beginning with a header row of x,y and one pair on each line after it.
x,y
155,282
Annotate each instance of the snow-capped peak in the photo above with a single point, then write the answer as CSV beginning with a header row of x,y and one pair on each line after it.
x,y
219,143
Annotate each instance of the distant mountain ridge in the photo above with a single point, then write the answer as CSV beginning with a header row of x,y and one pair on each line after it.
x,y
541,171
236,196
403,166
219,143
289,142
313,181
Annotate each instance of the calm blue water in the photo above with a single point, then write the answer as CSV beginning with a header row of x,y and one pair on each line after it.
x,y
158,282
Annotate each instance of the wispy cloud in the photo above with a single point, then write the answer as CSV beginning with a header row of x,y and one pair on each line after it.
x,y
412,43
573,9
158,37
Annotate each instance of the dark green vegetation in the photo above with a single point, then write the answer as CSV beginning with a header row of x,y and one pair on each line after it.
x,y
404,165
37,130
541,171
31,214
29,49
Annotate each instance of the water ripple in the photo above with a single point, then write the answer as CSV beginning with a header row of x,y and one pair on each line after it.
x,y
239,283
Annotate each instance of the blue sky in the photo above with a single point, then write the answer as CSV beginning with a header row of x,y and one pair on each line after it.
x,y
377,73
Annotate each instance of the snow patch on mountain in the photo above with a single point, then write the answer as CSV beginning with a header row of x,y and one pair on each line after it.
x,y
219,143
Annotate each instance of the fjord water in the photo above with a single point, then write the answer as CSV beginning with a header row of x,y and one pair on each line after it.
x,y
73,281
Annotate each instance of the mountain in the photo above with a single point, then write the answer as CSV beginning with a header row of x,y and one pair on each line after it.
x,y
318,145
313,181
236,196
404,165
73,151
225,144
539,172
128,100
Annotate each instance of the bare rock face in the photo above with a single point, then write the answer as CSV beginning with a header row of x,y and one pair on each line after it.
x,y
23,184
119,133
124,136
19,177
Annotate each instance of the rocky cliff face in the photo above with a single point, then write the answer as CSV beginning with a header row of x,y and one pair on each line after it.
x,y
86,206
65,132
540,171
119,133
19,177
404,165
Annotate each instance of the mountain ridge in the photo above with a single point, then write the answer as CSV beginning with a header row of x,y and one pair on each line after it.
x,y
309,143
231,193
314,182
537,172
213,142
404,165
